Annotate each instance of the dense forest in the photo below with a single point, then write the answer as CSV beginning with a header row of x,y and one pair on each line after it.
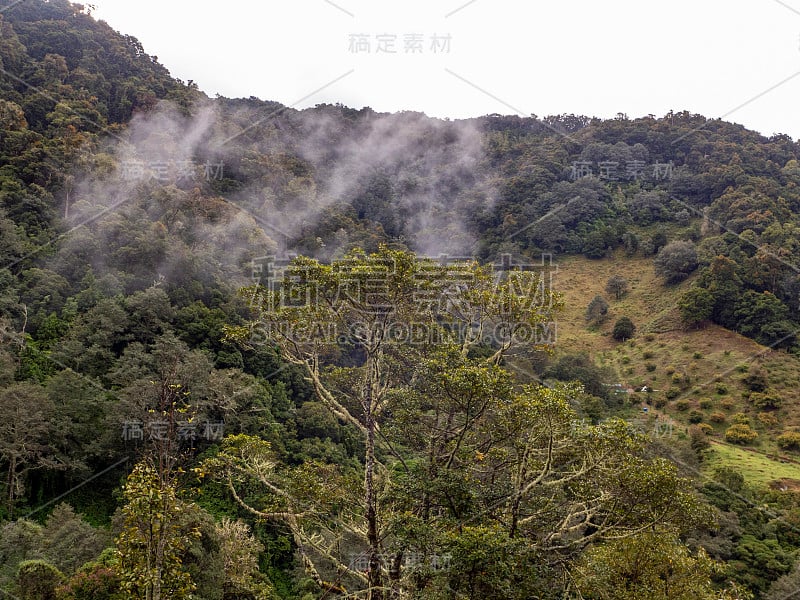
x,y
250,352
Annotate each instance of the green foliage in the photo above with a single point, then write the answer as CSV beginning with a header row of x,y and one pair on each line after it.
x,y
151,543
69,541
597,310
756,381
96,580
24,435
785,586
768,400
143,293
706,430
580,367
617,286
698,438
649,207
19,541
598,241
239,551
631,243
764,318
99,584
764,560
717,417
676,261
651,565
740,433
732,479
657,241
696,305
37,580
433,492
486,563
623,329
767,419
789,440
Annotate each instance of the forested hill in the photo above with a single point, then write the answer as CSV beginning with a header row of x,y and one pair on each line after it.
x,y
134,209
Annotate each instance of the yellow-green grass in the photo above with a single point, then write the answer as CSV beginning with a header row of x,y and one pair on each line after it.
x,y
757,469
663,355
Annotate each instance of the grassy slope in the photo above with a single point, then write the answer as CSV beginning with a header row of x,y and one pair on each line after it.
x,y
756,468
663,352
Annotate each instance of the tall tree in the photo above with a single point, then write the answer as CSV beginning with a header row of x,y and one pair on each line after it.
x,y
696,306
379,314
676,261
597,310
617,286
24,434
151,542
655,565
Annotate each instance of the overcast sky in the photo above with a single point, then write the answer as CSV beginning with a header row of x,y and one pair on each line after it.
x,y
739,60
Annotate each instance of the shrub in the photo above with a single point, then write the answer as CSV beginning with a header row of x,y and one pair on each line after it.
x,y
698,439
669,370
767,419
650,367
93,581
623,329
697,355
648,354
756,381
37,580
740,418
682,405
788,440
722,389
706,403
676,261
580,367
597,311
631,243
695,416
617,286
740,434
717,417
705,428
765,401
672,393
685,381
696,306
727,403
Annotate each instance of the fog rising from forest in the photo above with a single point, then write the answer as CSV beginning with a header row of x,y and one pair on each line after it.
x,y
422,169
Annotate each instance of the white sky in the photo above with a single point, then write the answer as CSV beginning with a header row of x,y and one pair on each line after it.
x,y
739,59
